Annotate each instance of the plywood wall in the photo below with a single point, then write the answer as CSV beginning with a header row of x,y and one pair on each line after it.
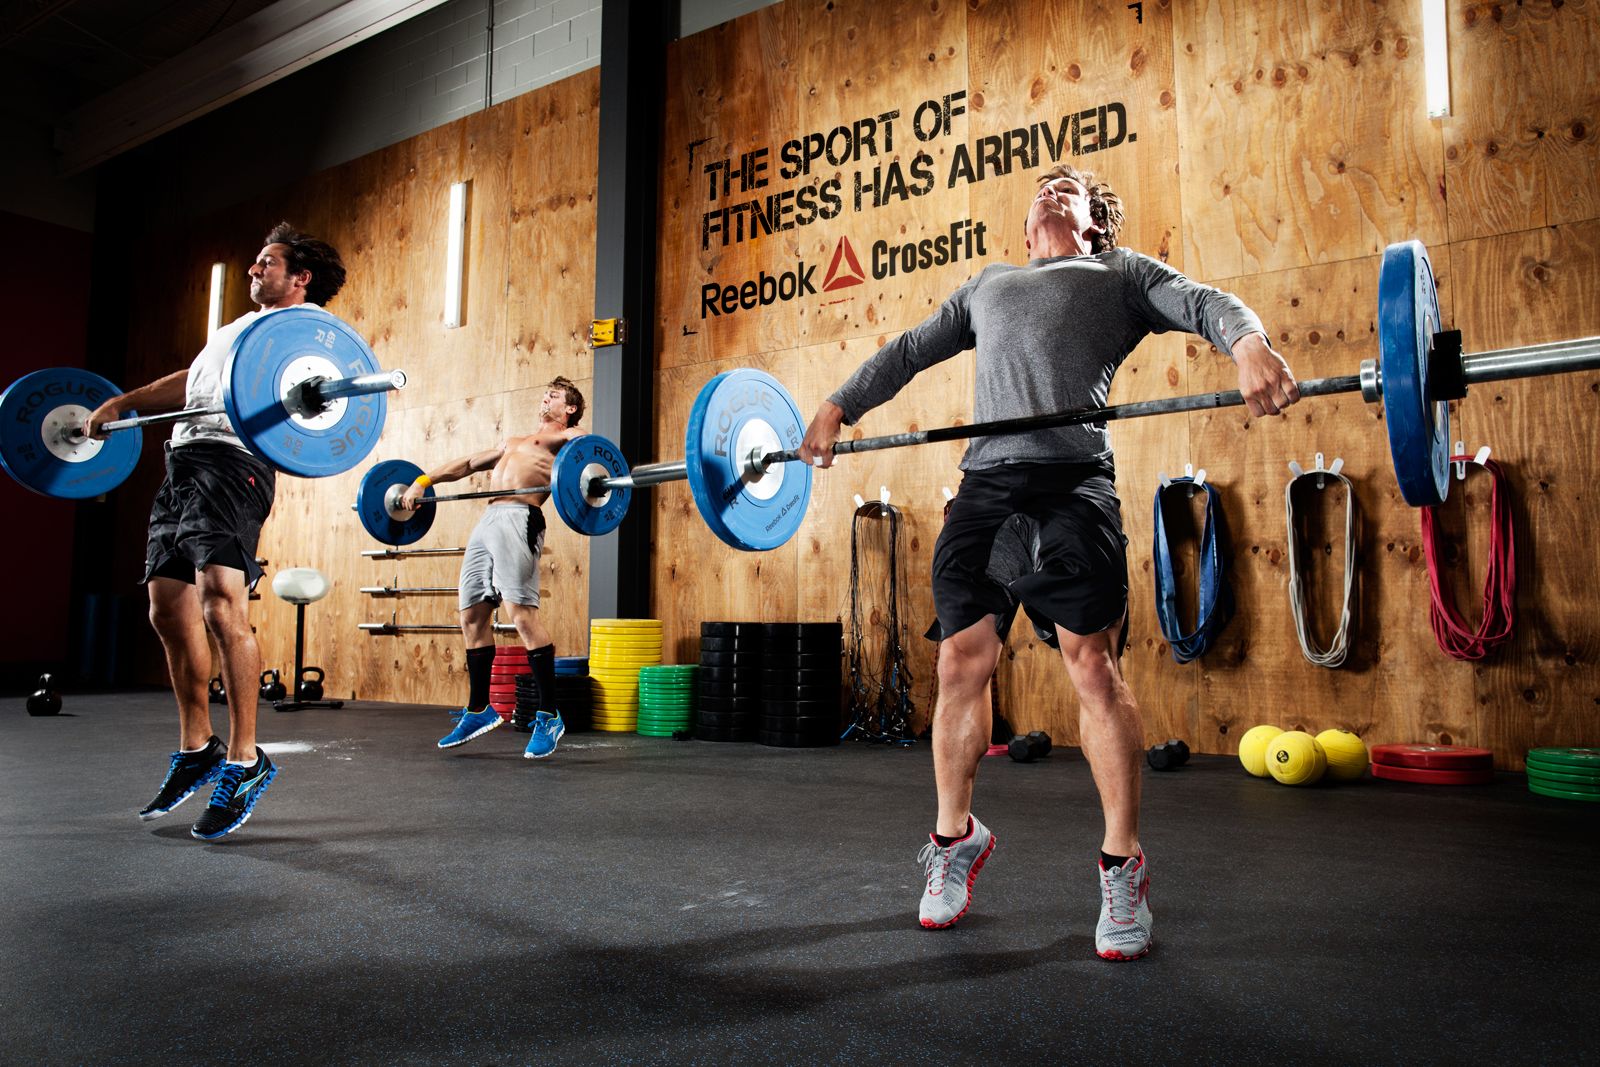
x,y
529,285
1269,147
1272,148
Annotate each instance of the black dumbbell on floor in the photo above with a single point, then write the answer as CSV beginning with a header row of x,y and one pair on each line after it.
x,y
1025,748
1167,756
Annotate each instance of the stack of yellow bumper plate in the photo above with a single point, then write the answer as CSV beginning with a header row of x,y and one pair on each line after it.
x,y
617,649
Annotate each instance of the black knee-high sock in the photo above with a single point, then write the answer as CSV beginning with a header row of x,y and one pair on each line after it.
x,y
543,662
479,663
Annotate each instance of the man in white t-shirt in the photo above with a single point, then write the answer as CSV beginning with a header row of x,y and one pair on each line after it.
x,y
200,556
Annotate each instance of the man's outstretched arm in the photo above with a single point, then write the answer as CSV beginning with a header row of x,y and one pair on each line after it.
x,y
453,471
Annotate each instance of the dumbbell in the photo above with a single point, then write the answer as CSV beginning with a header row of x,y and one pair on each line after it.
x,y
217,694
274,690
1025,748
45,701
1167,756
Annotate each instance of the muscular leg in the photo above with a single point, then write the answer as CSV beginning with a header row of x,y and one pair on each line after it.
x,y
175,614
225,603
963,719
477,624
525,618
1112,731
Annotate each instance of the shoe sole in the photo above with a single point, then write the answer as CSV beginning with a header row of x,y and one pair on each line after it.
x,y
972,876
471,736
1118,957
249,810
146,816
541,755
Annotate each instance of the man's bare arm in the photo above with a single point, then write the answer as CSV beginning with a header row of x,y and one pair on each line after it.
x,y
164,393
454,471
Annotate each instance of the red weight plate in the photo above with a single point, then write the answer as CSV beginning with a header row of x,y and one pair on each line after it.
x,y
1424,776
1434,757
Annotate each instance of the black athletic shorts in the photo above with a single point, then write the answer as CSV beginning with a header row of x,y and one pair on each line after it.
x,y
1071,564
209,510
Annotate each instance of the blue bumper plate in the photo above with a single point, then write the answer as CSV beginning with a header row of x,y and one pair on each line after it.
x,y
36,411
1419,427
397,527
278,351
738,412
579,462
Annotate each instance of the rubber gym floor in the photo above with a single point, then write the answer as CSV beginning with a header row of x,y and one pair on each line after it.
x,y
641,901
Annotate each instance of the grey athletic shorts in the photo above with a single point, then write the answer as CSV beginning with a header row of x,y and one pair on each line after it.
x,y
502,559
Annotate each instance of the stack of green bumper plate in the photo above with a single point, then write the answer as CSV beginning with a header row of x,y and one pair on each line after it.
x,y
1568,773
666,699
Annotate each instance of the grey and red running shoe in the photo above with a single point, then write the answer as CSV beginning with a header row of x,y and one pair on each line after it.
x,y
951,870
1125,923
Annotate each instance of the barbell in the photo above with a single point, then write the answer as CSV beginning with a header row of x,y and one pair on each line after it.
x,y
744,430
302,390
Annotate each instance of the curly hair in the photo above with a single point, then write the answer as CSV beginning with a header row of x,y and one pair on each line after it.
x,y
574,398
1105,206
307,253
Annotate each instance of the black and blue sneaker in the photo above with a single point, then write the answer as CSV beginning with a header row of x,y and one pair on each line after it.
x,y
189,771
234,798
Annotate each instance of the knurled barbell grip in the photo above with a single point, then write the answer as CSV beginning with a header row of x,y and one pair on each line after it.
x,y
1350,383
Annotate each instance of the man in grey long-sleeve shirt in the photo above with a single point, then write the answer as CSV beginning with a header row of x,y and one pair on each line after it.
x,y
1049,337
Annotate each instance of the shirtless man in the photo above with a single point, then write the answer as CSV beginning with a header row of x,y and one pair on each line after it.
x,y
502,565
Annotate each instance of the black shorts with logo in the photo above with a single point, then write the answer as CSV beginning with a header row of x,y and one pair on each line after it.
x,y
1078,572
209,510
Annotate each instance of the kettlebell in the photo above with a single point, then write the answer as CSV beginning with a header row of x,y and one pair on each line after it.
x,y
45,701
274,690
217,694
309,689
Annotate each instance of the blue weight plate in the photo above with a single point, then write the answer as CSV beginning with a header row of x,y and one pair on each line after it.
x,y
392,529
593,454
278,351
34,411
1419,428
737,411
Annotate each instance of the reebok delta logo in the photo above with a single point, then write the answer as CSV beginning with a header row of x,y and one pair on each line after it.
x,y
852,274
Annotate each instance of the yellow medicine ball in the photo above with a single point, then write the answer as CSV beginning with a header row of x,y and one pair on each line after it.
x,y
1347,756
1253,749
1295,758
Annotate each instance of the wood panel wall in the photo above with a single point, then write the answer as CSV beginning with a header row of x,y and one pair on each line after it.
x,y
1271,148
1280,146
529,286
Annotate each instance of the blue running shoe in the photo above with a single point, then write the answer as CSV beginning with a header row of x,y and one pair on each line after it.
x,y
547,730
234,798
189,771
471,724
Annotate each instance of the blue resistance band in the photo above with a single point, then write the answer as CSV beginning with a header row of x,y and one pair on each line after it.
x,y
1216,596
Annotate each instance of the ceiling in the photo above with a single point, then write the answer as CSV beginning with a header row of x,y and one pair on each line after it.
x,y
97,45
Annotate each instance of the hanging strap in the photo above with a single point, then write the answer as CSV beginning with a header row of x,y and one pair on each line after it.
x,y
1216,596
1499,582
1335,653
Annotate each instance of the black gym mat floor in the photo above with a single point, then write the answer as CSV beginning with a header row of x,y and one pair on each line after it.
x,y
642,901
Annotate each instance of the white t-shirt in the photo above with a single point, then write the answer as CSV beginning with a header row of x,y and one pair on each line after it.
x,y
204,389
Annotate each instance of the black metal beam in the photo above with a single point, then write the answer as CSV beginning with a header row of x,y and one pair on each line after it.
x,y
633,38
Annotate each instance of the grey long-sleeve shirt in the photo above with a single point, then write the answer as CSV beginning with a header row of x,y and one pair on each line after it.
x,y
1049,337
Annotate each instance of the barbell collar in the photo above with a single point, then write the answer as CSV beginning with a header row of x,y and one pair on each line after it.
x,y
1371,378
